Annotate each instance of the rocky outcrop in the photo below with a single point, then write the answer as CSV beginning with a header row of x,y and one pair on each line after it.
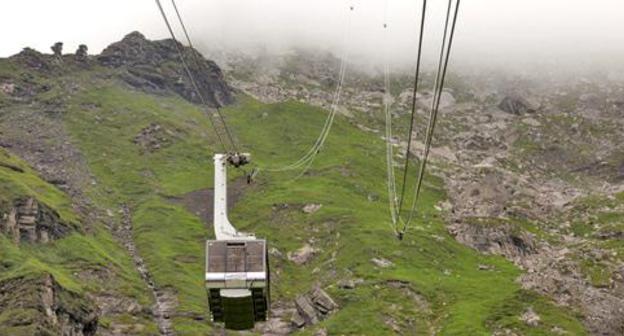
x,y
494,238
33,222
33,59
82,53
46,308
313,307
57,49
155,66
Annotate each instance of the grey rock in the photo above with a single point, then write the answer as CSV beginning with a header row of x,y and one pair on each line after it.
x,y
82,53
382,262
57,49
530,318
313,307
311,208
144,61
516,105
30,221
302,255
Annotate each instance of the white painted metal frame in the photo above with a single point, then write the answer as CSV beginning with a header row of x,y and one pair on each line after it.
x,y
222,226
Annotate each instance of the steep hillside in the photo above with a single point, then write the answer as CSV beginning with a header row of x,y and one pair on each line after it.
x,y
125,171
536,156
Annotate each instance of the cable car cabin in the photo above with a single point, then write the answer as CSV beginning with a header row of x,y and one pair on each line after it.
x,y
237,281
237,264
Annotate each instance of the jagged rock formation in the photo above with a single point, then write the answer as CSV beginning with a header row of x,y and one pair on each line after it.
x,y
57,49
33,222
154,66
82,53
46,308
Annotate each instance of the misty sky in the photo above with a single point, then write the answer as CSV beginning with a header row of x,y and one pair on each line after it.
x,y
489,31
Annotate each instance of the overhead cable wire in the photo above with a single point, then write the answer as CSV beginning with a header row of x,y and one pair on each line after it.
x,y
188,71
413,114
439,87
390,176
197,64
307,159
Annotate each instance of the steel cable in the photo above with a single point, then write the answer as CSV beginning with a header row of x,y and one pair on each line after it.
x,y
187,70
439,86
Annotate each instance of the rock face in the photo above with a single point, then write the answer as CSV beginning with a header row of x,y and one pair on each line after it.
x,y
47,308
516,105
313,307
499,239
33,222
155,66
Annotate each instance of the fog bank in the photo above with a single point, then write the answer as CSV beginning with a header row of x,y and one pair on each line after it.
x,y
518,34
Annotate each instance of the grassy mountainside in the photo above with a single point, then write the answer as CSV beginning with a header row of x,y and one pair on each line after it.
x,y
143,151
81,263
450,292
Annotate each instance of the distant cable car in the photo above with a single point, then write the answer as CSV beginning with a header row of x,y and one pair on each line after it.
x,y
237,264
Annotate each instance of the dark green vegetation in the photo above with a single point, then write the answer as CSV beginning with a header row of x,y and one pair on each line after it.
x,y
434,283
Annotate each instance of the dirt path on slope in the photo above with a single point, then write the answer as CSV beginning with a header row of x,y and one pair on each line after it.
x,y
165,301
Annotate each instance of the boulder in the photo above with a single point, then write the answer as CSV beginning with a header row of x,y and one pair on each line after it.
x,y
313,307
530,318
382,262
311,208
302,255
517,105
349,283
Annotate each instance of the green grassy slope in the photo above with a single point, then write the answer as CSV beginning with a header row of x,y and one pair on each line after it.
x,y
65,259
444,290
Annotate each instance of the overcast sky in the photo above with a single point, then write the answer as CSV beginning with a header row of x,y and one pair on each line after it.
x,y
489,31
